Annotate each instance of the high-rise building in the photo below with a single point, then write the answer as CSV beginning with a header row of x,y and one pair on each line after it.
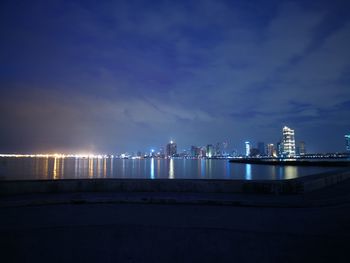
x,y
347,142
234,153
261,148
254,152
202,152
288,142
161,152
247,149
218,151
210,150
271,151
225,148
279,148
195,151
171,149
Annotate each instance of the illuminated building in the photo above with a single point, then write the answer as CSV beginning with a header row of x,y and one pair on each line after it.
x,y
347,142
279,148
202,152
161,152
261,148
171,149
254,152
288,142
271,151
210,150
195,151
218,151
224,148
247,149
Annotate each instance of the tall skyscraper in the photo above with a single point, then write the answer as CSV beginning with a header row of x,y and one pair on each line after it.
x,y
288,142
218,151
347,142
271,151
247,149
171,149
254,152
261,148
195,151
279,148
161,152
202,152
210,150
224,148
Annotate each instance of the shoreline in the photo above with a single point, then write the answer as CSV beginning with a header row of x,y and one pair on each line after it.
x,y
292,162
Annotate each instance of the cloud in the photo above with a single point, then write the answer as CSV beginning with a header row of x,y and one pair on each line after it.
x,y
76,120
119,74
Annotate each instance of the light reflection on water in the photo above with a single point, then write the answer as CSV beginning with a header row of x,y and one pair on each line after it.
x,y
70,168
248,172
152,168
171,169
227,170
55,169
290,172
111,166
202,161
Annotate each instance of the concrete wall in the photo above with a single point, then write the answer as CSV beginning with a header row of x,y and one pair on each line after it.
x,y
292,186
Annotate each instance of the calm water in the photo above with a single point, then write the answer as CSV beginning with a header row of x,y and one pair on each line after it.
x,y
71,168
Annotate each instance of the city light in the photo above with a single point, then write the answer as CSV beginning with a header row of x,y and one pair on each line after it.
x,y
286,148
58,155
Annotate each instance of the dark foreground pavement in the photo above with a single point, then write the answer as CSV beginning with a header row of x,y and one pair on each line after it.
x,y
166,227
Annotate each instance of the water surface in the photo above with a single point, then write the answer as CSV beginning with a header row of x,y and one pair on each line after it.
x,y
75,168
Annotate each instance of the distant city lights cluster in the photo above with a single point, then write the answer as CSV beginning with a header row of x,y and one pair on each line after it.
x,y
59,155
285,148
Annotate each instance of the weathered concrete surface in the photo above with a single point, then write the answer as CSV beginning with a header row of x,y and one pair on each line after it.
x,y
83,227
291,186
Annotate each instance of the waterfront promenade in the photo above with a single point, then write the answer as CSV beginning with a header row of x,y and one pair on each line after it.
x,y
176,227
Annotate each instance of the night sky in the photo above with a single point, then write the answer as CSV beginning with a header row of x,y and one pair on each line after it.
x,y
113,76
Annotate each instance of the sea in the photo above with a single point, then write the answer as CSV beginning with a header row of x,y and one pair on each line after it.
x,y
49,168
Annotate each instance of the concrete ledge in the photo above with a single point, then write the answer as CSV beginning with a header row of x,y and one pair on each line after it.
x,y
296,162
291,186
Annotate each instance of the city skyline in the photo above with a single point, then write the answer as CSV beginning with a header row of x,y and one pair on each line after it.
x,y
285,146
86,76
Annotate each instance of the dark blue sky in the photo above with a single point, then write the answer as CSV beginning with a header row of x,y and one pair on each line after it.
x,y
130,75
